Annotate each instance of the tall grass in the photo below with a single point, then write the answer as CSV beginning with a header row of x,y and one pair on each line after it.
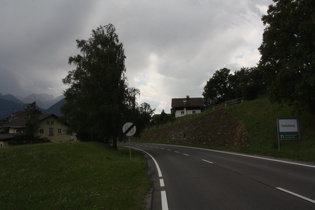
x,y
72,176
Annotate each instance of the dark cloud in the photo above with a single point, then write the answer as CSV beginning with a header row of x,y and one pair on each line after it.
x,y
172,47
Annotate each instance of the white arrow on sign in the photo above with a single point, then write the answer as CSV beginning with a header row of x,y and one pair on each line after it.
x,y
129,129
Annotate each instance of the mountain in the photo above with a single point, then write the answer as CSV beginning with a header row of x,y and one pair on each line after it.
x,y
8,107
42,100
11,98
10,104
55,109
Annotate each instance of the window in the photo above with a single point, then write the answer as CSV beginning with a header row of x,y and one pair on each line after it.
x,y
59,131
47,122
182,112
52,122
194,112
41,131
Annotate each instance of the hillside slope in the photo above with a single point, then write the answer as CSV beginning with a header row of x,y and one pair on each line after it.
x,y
249,127
217,128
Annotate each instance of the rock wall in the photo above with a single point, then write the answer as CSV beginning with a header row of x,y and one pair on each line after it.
x,y
217,128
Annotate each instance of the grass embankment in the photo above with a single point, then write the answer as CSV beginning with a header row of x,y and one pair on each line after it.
x,y
72,176
259,117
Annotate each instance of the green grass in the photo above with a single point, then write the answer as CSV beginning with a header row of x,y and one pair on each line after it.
x,y
72,176
260,119
260,116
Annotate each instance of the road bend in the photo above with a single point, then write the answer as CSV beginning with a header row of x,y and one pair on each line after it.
x,y
194,178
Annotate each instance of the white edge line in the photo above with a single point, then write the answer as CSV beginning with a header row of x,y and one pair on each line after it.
x,y
156,164
164,200
207,161
163,193
186,154
297,195
162,183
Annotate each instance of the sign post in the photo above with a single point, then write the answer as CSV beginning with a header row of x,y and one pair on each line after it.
x,y
129,129
288,129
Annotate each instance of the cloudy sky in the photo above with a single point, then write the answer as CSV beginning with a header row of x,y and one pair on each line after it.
x,y
172,46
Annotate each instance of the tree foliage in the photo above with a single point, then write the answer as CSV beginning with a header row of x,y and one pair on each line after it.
x,y
218,88
31,129
162,119
143,116
288,53
98,98
224,85
247,83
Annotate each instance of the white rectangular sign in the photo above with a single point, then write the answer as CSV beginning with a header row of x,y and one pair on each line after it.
x,y
288,125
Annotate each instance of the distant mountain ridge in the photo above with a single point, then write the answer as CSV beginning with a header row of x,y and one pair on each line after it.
x,y
46,103
42,100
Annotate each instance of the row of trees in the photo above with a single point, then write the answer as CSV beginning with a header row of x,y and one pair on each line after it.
x,y
224,85
99,100
286,70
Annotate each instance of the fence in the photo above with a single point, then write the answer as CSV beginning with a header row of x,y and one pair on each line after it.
x,y
225,104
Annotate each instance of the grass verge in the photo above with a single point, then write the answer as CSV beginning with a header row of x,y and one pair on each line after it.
x,y
72,175
260,116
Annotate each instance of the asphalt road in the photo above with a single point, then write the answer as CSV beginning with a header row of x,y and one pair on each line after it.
x,y
195,179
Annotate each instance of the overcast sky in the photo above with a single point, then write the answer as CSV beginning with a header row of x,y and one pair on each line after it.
x,y
172,46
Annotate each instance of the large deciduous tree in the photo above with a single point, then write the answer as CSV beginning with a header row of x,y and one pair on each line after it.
x,y
97,97
247,83
218,88
288,53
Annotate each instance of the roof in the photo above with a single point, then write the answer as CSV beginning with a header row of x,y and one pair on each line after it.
x,y
18,119
187,102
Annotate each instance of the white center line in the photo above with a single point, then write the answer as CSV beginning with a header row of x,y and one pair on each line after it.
x,y
297,195
176,152
207,161
186,154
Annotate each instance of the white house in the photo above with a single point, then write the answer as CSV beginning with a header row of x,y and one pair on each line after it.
x,y
186,106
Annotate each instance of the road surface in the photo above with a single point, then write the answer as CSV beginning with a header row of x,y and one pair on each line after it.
x,y
192,178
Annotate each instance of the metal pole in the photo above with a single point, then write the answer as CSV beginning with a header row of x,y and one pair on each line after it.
x,y
278,143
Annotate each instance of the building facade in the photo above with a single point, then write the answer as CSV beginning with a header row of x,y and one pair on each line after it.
x,y
187,106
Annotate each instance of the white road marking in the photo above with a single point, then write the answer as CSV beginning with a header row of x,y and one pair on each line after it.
x,y
169,150
176,152
164,200
156,164
163,193
207,161
186,154
162,183
249,156
296,195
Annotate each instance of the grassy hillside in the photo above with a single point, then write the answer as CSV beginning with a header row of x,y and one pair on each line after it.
x,y
72,176
250,127
259,117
